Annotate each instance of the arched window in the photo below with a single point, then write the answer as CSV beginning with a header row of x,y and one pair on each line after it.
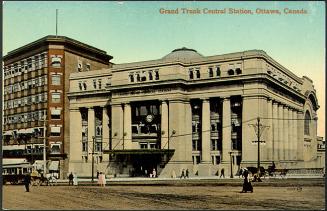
x,y
307,122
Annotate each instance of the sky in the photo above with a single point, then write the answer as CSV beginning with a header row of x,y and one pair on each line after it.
x,y
137,31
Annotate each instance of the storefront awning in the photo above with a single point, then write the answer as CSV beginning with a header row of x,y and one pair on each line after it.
x,y
54,166
8,133
139,151
29,130
21,131
13,147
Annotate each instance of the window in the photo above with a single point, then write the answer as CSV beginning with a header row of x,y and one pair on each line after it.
x,y
94,84
218,160
88,67
152,146
138,78
143,78
156,72
98,146
198,73
84,146
98,130
55,131
238,71
191,74
55,148
230,72
56,61
79,67
84,85
307,123
80,85
55,97
150,76
55,113
99,83
210,72
131,77
143,145
218,71
55,79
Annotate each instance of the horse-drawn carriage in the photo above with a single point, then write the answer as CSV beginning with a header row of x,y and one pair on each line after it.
x,y
38,179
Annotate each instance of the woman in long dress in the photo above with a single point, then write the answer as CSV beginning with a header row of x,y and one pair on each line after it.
x,y
103,180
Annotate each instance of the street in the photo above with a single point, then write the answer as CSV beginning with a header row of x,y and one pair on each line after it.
x,y
165,196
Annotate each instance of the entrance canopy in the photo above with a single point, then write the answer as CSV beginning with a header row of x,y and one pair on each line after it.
x,y
139,151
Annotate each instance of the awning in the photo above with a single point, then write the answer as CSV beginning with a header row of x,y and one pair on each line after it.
x,y
55,129
139,151
13,147
55,111
8,133
54,166
21,131
13,161
29,130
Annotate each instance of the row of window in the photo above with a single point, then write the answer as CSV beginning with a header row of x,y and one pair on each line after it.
x,y
97,84
140,76
26,65
29,84
214,71
25,117
32,99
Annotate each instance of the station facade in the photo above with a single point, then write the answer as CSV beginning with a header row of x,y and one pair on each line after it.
x,y
189,111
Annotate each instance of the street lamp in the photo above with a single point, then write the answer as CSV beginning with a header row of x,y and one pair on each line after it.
x,y
231,164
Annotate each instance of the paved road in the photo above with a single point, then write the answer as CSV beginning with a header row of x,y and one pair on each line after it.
x,y
177,195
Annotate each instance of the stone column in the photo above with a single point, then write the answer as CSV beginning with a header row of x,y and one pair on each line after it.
x,y
90,128
117,116
75,142
127,126
105,131
269,141
275,132
226,130
300,136
290,134
295,135
164,125
205,131
280,132
285,141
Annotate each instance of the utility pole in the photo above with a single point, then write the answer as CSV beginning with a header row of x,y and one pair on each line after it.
x,y
259,128
93,138
44,148
56,22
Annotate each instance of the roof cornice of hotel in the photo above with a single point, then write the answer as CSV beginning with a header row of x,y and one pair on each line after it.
x,y
205,60
57,40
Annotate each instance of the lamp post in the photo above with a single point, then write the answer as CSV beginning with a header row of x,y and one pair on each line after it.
x,y
231,164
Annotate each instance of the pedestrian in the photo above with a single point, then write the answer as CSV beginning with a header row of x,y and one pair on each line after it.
x,y
186,174
75,180
103,180
222,173
97,174
27,182
240,172
70,178
247,186
183,174
100,179
154,173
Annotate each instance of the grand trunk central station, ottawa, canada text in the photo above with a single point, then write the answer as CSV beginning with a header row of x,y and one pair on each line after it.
x,y
195,11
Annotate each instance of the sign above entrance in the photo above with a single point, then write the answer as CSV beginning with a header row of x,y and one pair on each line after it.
x,y
145,91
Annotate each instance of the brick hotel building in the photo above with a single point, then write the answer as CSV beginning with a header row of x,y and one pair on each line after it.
x,y
36,80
